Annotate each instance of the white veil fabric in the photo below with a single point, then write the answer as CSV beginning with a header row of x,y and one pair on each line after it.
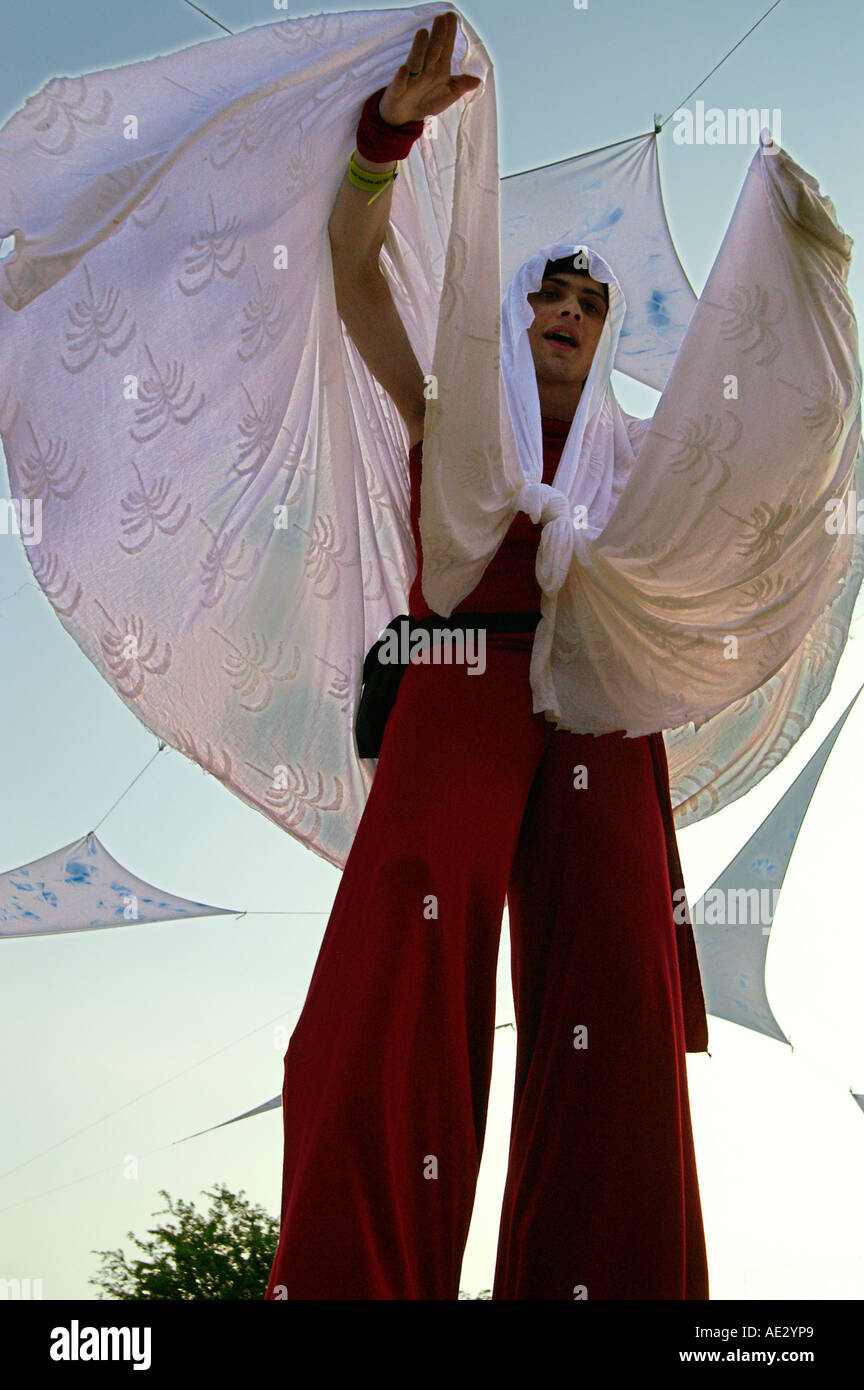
x,y
598,456
591,473
224,488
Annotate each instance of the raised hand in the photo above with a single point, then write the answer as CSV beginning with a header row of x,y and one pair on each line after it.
x,y
432,89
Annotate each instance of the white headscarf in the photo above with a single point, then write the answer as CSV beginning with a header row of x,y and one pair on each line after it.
x,y
597,457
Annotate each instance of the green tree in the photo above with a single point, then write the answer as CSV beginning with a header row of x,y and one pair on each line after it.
x,y
226,1252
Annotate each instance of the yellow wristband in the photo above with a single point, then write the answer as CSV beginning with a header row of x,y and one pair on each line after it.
x,y
370,175
368,179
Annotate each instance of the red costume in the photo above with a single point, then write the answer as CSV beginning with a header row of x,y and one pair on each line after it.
x,y
388,1069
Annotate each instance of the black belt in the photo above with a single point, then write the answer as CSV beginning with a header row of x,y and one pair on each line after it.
x,y
381,678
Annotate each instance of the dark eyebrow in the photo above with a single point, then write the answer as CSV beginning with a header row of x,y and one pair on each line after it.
x,y
559,280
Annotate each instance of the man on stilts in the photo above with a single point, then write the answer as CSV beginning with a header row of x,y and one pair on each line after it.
x,y
641,586
476,797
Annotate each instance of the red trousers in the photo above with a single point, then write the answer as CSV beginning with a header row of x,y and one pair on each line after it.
x,y
388,1069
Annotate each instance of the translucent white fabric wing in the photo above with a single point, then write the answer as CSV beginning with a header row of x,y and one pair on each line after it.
x,y
224,488
722,590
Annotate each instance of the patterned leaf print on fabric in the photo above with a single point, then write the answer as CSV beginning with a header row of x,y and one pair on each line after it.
x,y
46,472
300,466
345,684
131,656
149,509
129,191
756,312
767,529
325,554
673,638
758,699
151,207
654,555
702,451
773,647
253,670
827,412
212,249
222,563
163,397
265,319
97,321
377,584
258,428
62,590
821,645
378,497
64,104
218,763
303,797
443,559
763,590
245,130
298,160
299,36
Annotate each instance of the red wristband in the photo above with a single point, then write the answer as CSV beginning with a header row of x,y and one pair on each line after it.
x,y
377,140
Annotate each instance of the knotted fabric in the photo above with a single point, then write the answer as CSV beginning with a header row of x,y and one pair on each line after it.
x,y
549,507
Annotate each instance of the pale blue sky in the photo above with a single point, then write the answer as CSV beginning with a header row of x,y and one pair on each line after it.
x,y
92,1021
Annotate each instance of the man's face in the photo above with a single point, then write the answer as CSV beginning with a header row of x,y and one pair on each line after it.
x,y
570,304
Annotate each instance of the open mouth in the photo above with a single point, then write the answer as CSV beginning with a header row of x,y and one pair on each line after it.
x,y
566,340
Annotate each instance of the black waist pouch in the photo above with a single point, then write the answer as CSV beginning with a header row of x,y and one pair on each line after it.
x,y
381,678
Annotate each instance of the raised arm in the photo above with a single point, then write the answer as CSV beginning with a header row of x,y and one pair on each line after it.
x,y
358,225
